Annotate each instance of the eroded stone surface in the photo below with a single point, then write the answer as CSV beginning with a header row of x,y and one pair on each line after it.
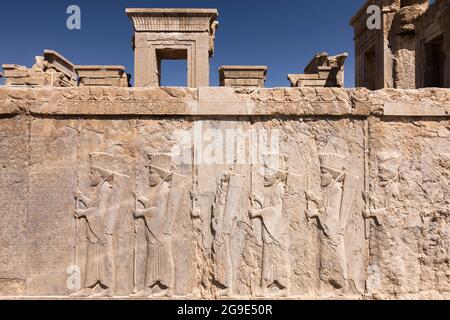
x,y
14,177
349,198
409,193
214,101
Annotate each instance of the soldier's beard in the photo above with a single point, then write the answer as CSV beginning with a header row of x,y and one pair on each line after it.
x,y
158,176
326,180
153,182
156,180
96,179
272,179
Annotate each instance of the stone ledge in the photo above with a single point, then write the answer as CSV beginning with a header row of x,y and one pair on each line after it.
x,y
416,109
224,101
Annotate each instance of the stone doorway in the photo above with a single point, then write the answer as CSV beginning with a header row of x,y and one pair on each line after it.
x,y
369,69
434,63
173,67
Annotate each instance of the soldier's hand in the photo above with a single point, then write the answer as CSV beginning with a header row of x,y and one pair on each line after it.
x,y
195,213
138,214
80,213
311,196
310,214
366,213
78,194
366,195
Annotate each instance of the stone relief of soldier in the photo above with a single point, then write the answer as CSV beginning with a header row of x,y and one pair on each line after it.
x,y
159,209
101,212
388,186
332,209
225,214
389,176
268,207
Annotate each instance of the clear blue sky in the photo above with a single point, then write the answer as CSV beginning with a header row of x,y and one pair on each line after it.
x,y
282,34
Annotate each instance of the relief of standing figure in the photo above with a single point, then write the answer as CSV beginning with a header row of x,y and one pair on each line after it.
x,y
225,215
159,213
275,265
101,214
332,210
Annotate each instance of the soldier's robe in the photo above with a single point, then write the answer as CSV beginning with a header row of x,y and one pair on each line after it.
x,y
100,225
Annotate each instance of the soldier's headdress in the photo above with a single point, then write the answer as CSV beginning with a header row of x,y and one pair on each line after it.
x,y
161,163
103,163
333,162
274,163
102,160
274,167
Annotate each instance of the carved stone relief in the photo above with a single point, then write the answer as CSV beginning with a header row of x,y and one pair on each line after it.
x,y
326,207
101,211
268,207
332,207
227,209
158,211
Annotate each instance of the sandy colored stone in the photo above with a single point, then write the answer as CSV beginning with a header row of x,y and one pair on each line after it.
x,y
216,241
409,246
322,71
217,101
242,76
230,192
14,182
51,69
397,55
112,76
173,34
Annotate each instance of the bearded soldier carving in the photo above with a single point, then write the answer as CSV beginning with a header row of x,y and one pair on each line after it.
x,y
101,214
332,209
270,210
159,213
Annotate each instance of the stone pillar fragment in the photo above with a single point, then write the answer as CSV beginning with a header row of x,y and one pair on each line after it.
x,y
242,76
110,76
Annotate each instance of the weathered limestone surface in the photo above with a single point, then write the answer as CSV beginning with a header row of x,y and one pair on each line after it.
x,y
409,174
14,148
349,198
53,164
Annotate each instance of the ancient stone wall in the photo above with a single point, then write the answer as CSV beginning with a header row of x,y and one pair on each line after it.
x,y
346,195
